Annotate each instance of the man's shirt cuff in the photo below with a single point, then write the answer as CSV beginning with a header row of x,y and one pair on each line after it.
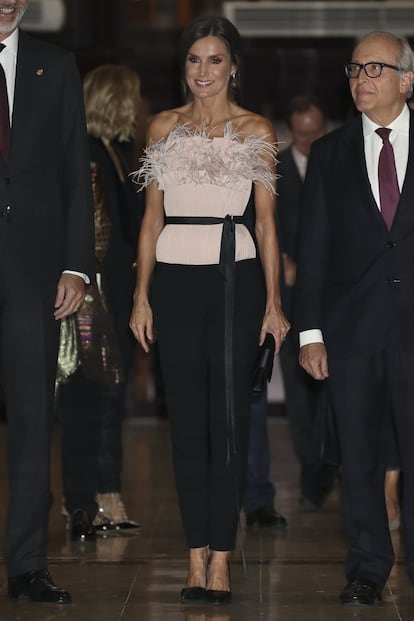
x,y
310,336
84,277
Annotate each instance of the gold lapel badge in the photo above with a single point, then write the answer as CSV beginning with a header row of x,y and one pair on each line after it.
x,y
39,71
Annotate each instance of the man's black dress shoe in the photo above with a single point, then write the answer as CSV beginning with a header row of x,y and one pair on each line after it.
x,y
38,586
81,527
361,592
266,517
193,594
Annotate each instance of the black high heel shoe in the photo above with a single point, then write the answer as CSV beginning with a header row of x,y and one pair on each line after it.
x,y
196,593
218,597
193,594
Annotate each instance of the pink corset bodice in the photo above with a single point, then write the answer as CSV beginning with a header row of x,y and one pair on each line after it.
x,y
202,176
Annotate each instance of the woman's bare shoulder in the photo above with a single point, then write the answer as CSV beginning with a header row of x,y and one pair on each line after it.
x,y
164,122
252,124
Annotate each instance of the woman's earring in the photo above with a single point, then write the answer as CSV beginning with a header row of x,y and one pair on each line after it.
x,y
233,82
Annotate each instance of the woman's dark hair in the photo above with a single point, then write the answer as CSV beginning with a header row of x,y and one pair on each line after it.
x,y
213,27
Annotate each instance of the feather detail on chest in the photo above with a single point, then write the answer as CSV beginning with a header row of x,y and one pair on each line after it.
x,y
188,155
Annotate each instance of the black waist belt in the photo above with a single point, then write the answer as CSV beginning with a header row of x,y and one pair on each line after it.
x,y
228,238
226,267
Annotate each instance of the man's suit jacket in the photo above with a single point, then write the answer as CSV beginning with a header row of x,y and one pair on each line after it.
x,y
45,185
289,194
355,278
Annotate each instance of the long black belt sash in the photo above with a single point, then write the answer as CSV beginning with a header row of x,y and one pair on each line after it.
x,y
227,269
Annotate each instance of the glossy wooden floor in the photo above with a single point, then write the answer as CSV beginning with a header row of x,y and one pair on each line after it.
x,y
291,576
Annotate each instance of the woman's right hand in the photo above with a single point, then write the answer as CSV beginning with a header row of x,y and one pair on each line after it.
x,y
141,323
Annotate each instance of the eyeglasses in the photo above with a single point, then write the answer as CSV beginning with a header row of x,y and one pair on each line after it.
x,y
372,70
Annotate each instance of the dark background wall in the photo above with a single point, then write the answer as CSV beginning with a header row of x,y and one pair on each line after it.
x,y
144,34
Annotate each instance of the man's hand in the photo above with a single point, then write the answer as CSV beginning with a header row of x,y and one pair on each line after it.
x,y
313,358
70,295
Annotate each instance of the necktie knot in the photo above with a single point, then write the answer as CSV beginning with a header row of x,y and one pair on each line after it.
x,y
384,133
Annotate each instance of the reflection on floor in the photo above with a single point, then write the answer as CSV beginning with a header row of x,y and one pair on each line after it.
x,y
291,576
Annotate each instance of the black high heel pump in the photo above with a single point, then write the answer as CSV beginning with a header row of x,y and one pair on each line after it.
x,y
193,594
218,597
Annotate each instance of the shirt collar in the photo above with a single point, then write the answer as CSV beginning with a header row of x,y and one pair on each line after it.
x,y
401,124
11,42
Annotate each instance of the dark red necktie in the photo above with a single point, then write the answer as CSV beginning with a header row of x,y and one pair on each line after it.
x,y
389,191
4,113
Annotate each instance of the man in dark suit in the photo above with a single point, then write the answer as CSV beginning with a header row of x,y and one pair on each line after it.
x,y
306,401
355,298
46,256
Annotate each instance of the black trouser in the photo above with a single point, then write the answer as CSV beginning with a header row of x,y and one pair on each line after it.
x,y
259,490
78,406
188,303
28,351
91,416
366,390
307,411
110,439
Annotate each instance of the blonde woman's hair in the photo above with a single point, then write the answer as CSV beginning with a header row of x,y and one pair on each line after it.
x,y
112,96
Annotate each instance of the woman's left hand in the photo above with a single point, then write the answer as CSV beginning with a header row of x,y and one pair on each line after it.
x,y
276,323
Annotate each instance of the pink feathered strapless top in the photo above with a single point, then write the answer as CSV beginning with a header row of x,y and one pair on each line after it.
x,y
202,176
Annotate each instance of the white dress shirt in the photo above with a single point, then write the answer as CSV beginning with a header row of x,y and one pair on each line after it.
x,y
300,160
399,138
8,60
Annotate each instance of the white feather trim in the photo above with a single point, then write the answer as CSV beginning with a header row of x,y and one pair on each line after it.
x,y
228,161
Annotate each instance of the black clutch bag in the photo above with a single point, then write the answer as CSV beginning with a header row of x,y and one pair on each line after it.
x,y
263,367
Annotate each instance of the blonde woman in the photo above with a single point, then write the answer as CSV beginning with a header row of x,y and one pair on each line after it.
x,y
91,395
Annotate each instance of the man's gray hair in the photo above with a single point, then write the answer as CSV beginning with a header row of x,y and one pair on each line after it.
x,y
405,59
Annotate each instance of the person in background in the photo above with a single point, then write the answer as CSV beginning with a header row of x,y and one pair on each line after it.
x,y
306,401
355,295
93,375
46,231
212,300
259,493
